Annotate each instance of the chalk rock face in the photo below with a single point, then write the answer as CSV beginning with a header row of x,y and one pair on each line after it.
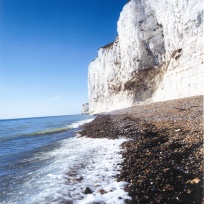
x,y
85,109
158,55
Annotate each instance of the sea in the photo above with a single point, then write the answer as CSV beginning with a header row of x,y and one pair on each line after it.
x,y
44,160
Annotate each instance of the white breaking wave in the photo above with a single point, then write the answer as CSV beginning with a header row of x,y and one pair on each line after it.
x,y
77,164
80,123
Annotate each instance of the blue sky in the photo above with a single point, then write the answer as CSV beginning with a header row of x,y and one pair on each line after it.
x,y
45,49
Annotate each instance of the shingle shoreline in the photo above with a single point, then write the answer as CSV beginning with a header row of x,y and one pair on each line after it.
x,y
163,158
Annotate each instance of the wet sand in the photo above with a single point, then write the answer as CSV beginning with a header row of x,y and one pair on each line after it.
x,y
163,157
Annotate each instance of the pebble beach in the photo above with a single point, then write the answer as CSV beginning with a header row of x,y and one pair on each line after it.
x,y
163,154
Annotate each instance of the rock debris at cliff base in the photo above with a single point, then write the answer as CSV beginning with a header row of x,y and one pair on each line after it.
x,y
163,158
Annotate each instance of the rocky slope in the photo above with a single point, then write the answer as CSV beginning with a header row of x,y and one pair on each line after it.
x,y
157,56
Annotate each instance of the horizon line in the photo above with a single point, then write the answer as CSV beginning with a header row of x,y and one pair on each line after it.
x,y
38,117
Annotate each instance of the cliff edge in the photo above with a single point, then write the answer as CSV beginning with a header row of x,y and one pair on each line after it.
x,y
157,56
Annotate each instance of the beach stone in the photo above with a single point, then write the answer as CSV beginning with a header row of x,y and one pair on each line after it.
x,y
88,191
102,191
68,202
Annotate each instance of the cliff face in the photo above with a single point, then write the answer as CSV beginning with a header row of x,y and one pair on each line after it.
x,y
157,56
85,109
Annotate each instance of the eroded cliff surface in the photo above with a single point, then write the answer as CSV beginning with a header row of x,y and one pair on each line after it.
x,y
157,56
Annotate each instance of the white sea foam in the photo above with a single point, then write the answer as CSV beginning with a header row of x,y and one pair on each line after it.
x,y
80,123
77,164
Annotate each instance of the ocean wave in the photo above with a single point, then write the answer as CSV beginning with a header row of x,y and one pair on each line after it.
x,y
49,131
77,164
80,123
60,129
74,125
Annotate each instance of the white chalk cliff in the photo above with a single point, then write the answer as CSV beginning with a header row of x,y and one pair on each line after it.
x,y
157,56
85,109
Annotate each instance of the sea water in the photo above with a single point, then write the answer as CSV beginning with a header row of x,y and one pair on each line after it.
x,y
42,161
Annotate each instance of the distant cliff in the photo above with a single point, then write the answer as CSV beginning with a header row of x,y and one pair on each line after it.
x,y
85,109
157,56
